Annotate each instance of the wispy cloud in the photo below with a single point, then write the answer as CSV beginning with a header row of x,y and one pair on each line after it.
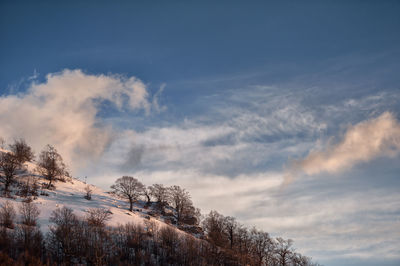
x,y
361,143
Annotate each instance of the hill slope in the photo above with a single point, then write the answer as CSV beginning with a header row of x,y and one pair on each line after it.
x,y
147,235
71,194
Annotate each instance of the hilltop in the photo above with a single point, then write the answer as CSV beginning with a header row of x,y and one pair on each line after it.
x,y
63,220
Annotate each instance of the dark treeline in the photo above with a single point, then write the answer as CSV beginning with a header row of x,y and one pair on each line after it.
x,y
88,241
183,238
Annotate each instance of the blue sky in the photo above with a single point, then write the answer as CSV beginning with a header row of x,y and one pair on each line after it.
x,y
226,99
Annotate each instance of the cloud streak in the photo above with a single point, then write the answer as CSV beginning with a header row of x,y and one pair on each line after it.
x,y
361,143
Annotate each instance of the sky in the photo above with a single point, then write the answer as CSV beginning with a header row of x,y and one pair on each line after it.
x,y
282,114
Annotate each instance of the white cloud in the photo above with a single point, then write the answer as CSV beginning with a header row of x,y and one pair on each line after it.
x,y
62,111
361,143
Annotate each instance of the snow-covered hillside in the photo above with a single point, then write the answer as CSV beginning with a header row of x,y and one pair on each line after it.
x,y
71,194
146,233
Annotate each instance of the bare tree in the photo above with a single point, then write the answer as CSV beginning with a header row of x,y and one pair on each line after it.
x,y
9,165
284,250
63,217
28,187
22,151
30,239
213,224
51,165
147,193
88,191
263,247
182,203
230,226
129,188
98,217
169,240
29,213
197,215
28,234
160,193
7,215
243,242
64,234
300,260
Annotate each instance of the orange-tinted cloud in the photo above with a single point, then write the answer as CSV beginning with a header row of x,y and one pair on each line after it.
x,y
361,143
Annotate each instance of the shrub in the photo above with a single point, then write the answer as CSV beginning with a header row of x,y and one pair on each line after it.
x,y
7,215
98,217
29,214
88,191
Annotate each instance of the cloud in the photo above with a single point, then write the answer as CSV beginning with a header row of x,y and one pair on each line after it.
x,y
63,111
243,132
156,100
361,143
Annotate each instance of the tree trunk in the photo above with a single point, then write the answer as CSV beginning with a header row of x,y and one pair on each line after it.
x,y
48,186
6,185
130,204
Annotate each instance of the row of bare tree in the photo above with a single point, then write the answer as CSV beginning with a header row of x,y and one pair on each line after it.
x,y
250,246
50,164
88,241
21,241
132,189
236,243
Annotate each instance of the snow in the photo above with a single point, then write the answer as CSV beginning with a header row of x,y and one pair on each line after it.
x,y
72,193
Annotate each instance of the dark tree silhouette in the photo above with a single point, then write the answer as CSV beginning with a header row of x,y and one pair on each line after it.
x,y
284,250
22,151
64,234
147,193
51,165
181,201
7,215
230,226
29,213
129,188
98,217
213,224
9,165
262,246
160,193
89,192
